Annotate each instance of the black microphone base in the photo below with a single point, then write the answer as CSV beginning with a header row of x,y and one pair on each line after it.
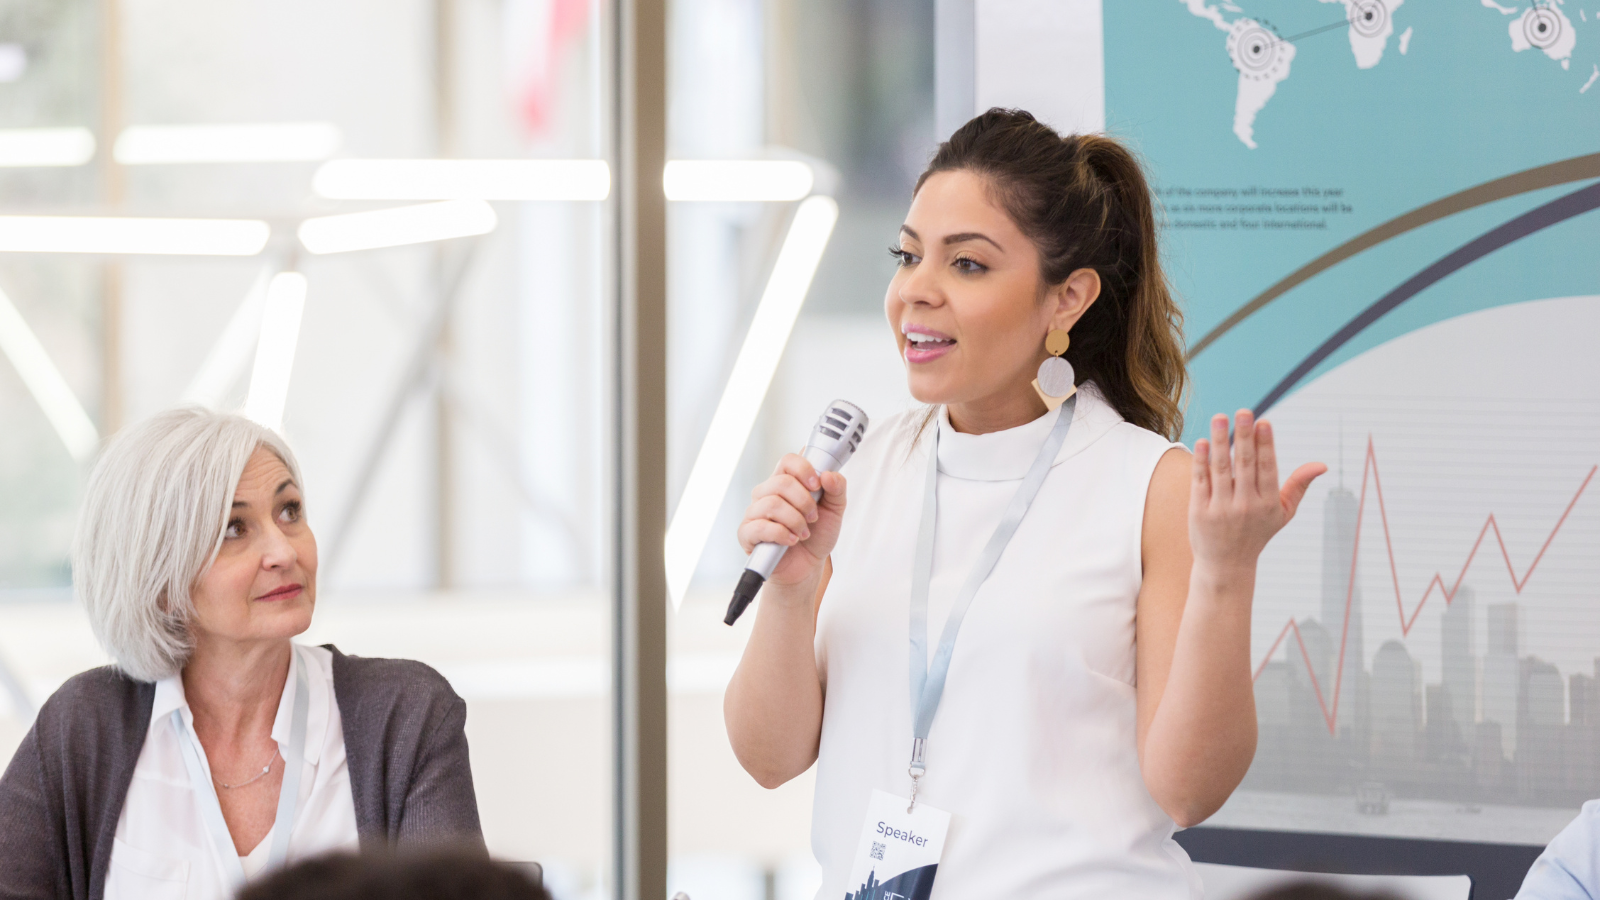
x,y
749,584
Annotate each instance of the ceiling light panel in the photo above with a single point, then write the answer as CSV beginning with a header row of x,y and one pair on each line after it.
x,y
145,145
463,179
736,180
127,234
397,226
45,147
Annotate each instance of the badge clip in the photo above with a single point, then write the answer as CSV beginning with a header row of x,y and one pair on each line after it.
x,y
915,770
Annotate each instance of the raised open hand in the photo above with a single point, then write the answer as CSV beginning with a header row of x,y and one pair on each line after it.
x,y
1236,505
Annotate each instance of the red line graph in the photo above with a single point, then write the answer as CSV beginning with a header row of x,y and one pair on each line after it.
x,y
1369,473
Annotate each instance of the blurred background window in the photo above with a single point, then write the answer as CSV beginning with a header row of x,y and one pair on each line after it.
x,y
846,87
447,397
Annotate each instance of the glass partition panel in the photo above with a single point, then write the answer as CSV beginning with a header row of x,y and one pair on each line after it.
x,y
446,387
775,308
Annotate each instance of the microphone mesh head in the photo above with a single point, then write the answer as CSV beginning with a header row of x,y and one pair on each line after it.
x,y
839,430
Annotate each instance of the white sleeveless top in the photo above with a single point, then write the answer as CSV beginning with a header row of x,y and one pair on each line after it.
x,y
1033,751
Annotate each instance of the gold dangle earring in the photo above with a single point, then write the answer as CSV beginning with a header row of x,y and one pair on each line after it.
x,y
1056,378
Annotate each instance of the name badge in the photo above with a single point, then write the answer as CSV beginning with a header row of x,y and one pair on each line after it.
x,y
898,855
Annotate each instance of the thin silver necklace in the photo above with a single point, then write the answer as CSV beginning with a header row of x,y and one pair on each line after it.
x,y
264,770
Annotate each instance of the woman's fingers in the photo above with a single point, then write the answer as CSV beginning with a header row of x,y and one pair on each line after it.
x,y
833,490
1200,484
1266,460
777,509
781,508
1221,470
1294,490
797,466
782,511
1244,453
1232,519
764,531
791,490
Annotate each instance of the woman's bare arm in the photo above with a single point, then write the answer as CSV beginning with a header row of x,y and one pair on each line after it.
x,y
773,705
1206,523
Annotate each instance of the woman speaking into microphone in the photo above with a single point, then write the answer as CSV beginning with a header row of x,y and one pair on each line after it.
x,y
1018,652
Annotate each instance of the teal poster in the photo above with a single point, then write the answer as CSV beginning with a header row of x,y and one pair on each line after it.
x,y
1382,218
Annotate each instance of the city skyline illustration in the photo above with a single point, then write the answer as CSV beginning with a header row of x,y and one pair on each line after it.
x,y
916,884
1343,517
1499,726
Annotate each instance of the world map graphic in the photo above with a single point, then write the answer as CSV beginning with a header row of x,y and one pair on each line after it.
x,y
1264,56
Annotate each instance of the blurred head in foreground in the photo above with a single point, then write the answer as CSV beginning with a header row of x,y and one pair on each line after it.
x,y
435,875
1313,890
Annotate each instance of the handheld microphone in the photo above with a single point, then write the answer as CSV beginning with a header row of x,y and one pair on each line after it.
x,y
834,439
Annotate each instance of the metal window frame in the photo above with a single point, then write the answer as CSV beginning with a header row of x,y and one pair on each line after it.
x,y
638,209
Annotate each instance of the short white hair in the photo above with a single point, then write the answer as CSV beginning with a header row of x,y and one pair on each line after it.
x,y
154,513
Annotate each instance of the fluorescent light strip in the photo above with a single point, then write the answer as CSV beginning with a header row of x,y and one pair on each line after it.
x,y
45,383
40,147
736,179
280,331
92,234
144,145
463,179
746,391
230,355
397,226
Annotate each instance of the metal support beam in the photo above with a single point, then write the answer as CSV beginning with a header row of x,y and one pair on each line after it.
x,y
111,194
638,57
444,114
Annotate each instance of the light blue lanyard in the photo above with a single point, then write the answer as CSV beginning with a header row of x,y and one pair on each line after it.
x,y
927,682
288,795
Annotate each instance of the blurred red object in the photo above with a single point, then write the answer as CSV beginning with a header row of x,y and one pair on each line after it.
x,y
538,34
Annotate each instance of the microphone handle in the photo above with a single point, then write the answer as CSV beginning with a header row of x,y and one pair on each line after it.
x,y
765,557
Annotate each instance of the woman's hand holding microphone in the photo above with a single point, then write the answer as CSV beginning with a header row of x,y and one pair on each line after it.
x,y
782,512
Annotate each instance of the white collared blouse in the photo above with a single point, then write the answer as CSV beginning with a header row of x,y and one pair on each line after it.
x,y
163,850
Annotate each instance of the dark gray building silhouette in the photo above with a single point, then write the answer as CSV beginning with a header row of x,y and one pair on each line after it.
x,y
1396,712
1541,719
1459,659
1502,675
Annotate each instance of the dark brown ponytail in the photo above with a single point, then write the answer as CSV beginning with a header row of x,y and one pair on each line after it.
x,y
1084,202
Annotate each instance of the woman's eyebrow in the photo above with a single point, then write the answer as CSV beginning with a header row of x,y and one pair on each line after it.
x,y
286,483
909,233
972,236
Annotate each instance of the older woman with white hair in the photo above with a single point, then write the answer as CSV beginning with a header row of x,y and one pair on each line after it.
x,y
216,748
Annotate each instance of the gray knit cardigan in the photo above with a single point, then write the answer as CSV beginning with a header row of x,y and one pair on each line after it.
x,y
61,797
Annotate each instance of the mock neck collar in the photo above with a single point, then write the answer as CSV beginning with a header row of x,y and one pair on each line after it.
x,y
1007,455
